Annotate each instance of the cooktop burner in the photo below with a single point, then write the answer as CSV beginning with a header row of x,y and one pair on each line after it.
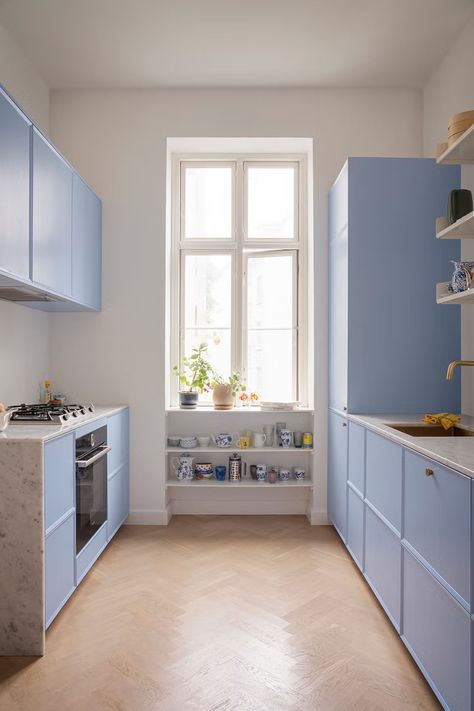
x,y
49,414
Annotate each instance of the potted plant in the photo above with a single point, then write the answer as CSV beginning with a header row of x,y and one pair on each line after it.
x,y
224,390
195,375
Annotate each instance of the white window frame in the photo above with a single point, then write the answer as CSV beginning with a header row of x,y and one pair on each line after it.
x,y
240,247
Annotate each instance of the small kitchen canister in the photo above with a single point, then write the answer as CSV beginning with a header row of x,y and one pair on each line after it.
x,y
307,440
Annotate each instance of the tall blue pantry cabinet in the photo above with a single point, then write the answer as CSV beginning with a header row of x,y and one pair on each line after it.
x,y
389,346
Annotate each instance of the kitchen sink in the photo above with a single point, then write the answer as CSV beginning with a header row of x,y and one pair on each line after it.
x,y
431,431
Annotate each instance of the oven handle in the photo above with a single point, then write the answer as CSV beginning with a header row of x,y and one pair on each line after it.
x,y
83,463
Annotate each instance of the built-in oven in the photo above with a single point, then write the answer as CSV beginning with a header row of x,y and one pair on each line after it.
x,y
91,485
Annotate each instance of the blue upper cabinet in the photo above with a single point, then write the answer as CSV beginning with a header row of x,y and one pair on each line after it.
x,y
15,137
389,342
52,217
86,244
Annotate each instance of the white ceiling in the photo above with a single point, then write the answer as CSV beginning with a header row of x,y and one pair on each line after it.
x,y
234,43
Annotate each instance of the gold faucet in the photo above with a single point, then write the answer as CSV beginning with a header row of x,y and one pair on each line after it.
x,y
452,366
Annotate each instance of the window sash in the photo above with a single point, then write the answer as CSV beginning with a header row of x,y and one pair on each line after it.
x,y
267,241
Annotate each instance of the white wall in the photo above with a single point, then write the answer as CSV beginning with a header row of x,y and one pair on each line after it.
x,y
24,332
117,140
449,90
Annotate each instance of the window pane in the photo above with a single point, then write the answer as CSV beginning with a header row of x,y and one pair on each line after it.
x,y
270,292
270,364
271,203
207,306
208,203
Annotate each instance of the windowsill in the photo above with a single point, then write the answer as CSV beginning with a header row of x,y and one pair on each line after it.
x,y
240,411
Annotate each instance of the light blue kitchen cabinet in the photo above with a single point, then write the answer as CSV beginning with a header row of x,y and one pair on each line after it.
x,y
86,244
15,138
383,567
52,217
356,459
437,521
355,526
118,471
337,475
389,342
383,478
437,631
60,523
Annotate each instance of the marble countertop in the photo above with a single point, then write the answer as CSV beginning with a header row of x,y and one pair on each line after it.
x,y
454,452
21,432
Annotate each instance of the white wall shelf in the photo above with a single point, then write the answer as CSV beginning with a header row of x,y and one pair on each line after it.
x,y
229,450
238,411
461,152
461,229
244,484
443,296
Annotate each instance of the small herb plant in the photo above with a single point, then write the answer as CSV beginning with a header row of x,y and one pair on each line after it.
x,y
196,372
234,381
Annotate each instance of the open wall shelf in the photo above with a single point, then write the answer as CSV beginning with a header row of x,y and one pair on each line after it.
x,y
461,152
443,296
244,484
461,229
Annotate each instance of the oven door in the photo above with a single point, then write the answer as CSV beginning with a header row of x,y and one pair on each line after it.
x,y
91,495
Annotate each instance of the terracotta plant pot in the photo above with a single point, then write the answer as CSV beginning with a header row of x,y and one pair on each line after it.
x,y
222,397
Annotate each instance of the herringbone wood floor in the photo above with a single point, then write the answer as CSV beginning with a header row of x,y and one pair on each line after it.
x,y
220,614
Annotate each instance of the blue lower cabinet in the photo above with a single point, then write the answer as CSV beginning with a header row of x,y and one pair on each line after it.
x,y
356,458
117,506
337,474
437,631
59,478
383,563
355,527
59,566
383,478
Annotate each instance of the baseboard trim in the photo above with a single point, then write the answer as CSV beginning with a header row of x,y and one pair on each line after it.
x,y
237,508
318,518
149,517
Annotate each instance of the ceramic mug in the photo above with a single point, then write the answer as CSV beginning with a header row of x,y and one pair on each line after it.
x,y
244,442
259,439
204,440
285,438
221,471
261,472
299,473
284,474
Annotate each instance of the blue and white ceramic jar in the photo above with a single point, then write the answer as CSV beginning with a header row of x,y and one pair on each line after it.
x,y
224,439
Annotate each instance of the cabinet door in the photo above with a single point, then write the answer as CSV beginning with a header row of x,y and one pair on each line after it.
x,y
86,244
437,631
115,502
15,137
338,321
437,515
356,463
383,478
59,567
52,205
383,563
337,472
59,478
355,527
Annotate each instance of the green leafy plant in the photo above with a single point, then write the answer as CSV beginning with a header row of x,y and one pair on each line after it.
x,y
235,381
196,372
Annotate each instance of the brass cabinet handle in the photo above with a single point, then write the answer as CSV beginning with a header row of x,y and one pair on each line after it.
x,y
429,472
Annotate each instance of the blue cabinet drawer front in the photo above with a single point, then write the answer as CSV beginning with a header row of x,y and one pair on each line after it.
x,y
117,438
437,519
355,527
59,478
15,137
437,631
384,478
59,567
383,563
356,464
337,472
88,555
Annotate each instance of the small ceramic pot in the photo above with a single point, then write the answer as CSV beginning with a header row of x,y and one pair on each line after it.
x,y
224,439
285,438
307,440
188,442
188,400
299,473
203,470
223,397
221,471
244,442
204,440
284,474
272,476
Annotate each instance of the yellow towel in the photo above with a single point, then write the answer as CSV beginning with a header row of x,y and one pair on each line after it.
x,y
446,419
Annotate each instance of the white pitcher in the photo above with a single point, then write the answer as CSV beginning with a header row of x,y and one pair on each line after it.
x,y
183,467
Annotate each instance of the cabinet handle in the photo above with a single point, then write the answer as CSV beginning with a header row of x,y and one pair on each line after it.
x,y
344,408
344,424
429,472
